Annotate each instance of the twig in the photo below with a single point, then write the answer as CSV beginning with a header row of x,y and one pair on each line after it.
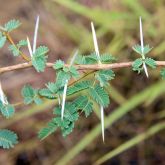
x,y
79,67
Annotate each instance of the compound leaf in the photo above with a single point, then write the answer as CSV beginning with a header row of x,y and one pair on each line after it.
x,y
11,25
162,72
99,95
30,95
59,64
103,76
2,40
7,110
78,87
39,58
8,139
84,104
150,62
46,131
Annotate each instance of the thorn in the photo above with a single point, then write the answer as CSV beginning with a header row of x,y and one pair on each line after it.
x,y
141,36
145,69
29,47
63,99
35,34
95,42
73,58
102,121
2,28
2,96
59,101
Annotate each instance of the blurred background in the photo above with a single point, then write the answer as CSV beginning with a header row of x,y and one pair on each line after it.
x,y
64,26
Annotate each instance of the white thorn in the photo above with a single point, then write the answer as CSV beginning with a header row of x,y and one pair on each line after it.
x,y
59,101
2,96
145,69
73,58
29,47
63,99
102,121
2,28
35,34
95,42
141,36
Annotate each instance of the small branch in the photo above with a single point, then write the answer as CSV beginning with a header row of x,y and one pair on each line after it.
x,y
79,67
12,42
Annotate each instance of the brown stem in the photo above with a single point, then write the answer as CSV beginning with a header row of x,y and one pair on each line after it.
x,y
79,67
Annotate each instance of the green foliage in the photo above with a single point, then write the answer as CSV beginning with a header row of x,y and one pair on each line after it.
x,y
150,62
30,95
61,78
7,110
2,40
92,58
70,114
83,103
46,131
59,64
138,49
7,139
137,65
107,58
66,125
162,72
78,87
11,25
99,95
39,58
73,72
103,76
15,49
47,93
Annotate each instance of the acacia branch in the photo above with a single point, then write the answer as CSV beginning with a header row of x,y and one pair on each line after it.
x,y
79,67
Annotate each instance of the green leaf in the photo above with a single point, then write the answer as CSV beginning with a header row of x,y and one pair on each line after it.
x,y
86,59
138,49
52,87
103,76
61,123
137,65
8,139
2,40
107,58
47,93
84,104
7,110
61,79
22,43
99,95
44,132
65,125
59,64
14,50
30,95
11,25
73,71
70,112
66,131
78,87
162,72
39,58
150,62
